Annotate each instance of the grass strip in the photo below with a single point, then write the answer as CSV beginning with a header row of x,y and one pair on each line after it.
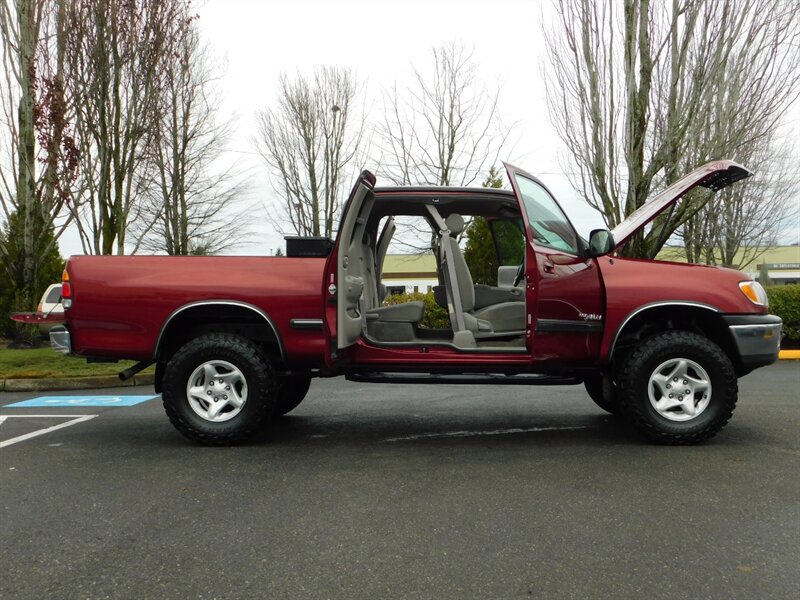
x,y
37,363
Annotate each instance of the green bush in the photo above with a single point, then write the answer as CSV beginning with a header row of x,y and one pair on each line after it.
x,y
784,301
435,317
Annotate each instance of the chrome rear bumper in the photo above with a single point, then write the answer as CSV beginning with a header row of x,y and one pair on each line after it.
x,y
59,339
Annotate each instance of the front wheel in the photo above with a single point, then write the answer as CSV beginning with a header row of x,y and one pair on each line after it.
x,y
219,389
678,387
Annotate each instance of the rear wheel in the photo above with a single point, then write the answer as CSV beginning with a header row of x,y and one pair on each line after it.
x,y
219,389
603,391
291,391
678,387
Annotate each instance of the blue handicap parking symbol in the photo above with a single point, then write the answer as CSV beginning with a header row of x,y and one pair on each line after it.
x,y
80,401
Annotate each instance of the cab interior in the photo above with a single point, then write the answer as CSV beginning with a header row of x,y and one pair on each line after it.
x,y
486,315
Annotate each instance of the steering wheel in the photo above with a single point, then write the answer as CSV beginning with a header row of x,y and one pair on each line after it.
x,y
520,274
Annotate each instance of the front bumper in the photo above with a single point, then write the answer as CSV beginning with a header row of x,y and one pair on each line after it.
x,y
757,337
60,340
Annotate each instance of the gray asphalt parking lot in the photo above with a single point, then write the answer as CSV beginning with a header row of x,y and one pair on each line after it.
x,y
379,491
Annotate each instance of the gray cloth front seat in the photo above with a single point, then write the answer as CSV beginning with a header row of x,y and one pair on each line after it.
x,y
505,317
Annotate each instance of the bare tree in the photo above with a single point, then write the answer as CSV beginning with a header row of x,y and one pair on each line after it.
x,y
189,198
115,60
308,140
445,129
640,91
39,159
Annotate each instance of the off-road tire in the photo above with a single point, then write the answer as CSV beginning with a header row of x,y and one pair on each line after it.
x,y
634,378
603,392
253,364
291,391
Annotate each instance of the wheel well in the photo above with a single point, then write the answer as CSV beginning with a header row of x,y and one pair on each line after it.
x,y
675,317
201,319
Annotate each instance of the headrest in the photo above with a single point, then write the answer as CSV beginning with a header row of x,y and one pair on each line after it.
x,y
455,223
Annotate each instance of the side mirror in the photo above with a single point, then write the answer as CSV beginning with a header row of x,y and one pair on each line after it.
x,y
600,242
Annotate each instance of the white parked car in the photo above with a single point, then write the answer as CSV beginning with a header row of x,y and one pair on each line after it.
x,y
51,308
51,300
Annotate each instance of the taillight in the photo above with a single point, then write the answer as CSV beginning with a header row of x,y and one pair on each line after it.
x,y
66,290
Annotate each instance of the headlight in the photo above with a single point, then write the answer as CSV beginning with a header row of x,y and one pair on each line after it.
x,y
755,293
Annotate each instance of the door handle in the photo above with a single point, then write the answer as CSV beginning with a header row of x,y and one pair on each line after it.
x,y
549,267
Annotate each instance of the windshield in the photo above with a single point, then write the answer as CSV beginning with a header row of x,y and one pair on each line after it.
x,y
548,223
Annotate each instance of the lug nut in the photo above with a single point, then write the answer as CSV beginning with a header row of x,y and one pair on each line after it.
x,y
208,392
674,379
680,398
227,387
224,397
671,395
688,391
685,382
669,386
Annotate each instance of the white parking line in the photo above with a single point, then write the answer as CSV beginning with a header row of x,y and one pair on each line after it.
x,y
458,434
74,420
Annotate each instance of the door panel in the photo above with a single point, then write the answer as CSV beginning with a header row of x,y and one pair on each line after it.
x,y
343,282
564,289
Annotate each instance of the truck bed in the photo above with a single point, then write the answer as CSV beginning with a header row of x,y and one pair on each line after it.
x,y
121,303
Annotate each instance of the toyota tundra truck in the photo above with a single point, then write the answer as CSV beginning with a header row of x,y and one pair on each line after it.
x,y
236,340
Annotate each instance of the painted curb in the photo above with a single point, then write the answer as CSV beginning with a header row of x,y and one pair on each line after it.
x,y
789,355
73,383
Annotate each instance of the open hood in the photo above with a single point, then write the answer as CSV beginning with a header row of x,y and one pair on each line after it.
x,y
714,175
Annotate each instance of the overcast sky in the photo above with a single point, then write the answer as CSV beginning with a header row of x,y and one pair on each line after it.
x,y
257,40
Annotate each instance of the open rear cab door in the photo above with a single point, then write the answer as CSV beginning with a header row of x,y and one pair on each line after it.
x,y
342,278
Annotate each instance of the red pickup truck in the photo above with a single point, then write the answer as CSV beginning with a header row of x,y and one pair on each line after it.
x,y
237,340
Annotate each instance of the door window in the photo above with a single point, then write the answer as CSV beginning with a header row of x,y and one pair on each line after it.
x,y
548,223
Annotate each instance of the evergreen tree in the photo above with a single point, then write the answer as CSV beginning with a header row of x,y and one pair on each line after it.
x,y
494,179
480,253
12,291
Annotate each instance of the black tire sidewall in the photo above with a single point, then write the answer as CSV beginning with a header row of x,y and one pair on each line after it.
x,y
291,391
245,356
603,392
653,352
